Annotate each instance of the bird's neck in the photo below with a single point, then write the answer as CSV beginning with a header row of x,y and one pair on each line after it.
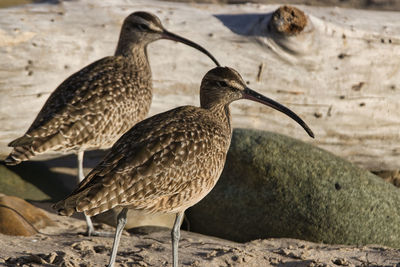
x,y
136,52
222,112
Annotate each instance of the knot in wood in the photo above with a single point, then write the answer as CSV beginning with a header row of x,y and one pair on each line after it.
x,y
288,20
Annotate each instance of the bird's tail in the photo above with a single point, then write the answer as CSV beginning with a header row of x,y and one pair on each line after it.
x,y
80,202
64,207
19,154
68,205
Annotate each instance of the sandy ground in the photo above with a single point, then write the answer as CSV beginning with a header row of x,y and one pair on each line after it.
x,y
64,245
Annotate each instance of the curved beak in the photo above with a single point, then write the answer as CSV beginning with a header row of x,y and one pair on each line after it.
x,y
253,95
171,36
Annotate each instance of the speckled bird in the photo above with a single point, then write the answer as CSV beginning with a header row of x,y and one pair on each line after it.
x,y
170,161
96,105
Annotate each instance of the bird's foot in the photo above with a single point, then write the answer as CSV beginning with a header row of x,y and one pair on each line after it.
x,y
92,232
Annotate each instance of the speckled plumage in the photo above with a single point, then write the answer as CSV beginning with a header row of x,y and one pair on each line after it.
x,y
167,162
95,106
170,161
92,108
163,164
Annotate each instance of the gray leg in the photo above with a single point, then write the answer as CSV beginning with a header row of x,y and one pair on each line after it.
x,y
90,229
175,235
121,221
81,176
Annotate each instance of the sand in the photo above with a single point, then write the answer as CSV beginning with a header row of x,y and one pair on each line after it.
x,y
65,245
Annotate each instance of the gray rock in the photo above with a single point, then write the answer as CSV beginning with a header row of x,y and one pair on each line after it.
x,y
276,186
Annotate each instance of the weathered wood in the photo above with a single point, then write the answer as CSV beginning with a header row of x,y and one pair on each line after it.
x,y
341,73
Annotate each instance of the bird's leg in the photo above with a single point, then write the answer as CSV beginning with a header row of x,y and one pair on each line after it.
x,y
175,235
81,176
121,222
90,229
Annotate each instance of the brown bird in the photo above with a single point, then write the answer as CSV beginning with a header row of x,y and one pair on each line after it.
x,y
170,161
96,105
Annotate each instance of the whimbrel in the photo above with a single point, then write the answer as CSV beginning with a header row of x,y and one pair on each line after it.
x,y
96,105
170,161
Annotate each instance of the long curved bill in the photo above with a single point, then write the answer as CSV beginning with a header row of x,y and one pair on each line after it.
x,y
172,36
253,95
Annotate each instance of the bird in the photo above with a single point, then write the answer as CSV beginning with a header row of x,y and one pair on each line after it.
x,y
170,161
94,106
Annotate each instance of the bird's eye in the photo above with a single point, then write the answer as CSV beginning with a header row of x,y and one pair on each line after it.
x,y
222,84
143,27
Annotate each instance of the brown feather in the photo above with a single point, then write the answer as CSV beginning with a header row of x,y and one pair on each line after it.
x,y
155,165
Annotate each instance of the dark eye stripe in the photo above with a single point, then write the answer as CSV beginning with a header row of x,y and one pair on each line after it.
x,y
222,84
143,27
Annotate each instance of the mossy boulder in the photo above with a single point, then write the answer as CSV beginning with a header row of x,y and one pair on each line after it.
x,y
32,181
276,186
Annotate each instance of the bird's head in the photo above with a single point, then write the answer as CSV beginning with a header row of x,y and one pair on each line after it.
x,y
223,85
143,28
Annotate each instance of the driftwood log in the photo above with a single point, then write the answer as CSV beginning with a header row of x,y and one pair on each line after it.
x,y
339,69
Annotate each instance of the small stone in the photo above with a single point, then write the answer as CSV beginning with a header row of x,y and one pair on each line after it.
x,y
52,256
35,259
142,264
100,249
274,260
340,261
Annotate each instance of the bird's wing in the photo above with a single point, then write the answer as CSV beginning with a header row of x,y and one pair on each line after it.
x,y
79,102
157,157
